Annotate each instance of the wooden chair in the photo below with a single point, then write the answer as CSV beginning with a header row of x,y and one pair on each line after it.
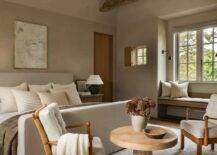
x,y
43,136
202,132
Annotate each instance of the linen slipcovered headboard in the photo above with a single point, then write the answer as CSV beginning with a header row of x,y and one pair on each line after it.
x,y
13,79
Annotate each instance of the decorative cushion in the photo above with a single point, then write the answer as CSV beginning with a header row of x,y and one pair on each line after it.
x,y
71,92
48,98
196,128
166,89
53,123
179,90
212,108
26,101
7,100
40,88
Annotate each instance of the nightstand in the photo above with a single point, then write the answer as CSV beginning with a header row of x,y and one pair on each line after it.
x,y
91,98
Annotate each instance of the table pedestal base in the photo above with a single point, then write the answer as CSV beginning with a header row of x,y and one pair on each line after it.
x,y
142,152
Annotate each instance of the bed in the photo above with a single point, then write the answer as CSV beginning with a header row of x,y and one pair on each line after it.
x,y
104,117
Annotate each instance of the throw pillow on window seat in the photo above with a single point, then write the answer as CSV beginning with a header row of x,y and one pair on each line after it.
x,y
179,90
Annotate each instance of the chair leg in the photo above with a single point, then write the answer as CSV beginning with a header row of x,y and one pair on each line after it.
x,y
199,149
212,147
182,140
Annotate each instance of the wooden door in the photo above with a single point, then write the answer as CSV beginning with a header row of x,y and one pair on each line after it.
x,y
103,49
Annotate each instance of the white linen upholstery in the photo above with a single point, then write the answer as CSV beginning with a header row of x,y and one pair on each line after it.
x,y
7,115
179,90
196,128
166,89
40,88
7,100
58,97
106,116
211,109
53,123
26,101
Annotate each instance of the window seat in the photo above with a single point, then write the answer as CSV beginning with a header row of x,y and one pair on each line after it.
x,y
195,101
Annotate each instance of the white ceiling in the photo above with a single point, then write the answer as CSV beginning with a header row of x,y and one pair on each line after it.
x,y
89,9
85,9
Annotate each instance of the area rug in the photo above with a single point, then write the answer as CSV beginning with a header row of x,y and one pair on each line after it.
x,y
190,148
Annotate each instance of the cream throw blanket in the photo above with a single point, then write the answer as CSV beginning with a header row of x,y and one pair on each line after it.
x,y
73,144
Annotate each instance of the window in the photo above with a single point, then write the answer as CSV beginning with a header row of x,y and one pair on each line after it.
x,y
187,51
197,55
139,56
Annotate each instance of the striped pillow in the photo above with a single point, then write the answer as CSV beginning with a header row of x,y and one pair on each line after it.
x,y
179,90
26,101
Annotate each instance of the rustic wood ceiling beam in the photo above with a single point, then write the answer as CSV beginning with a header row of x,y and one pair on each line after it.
x,y
106,5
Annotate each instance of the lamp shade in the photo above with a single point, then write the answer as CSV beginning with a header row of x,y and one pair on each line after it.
x,y
94,80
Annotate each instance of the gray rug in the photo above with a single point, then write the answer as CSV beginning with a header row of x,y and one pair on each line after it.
x,y
190,148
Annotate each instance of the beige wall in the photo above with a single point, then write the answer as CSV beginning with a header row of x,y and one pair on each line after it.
x,y
70,40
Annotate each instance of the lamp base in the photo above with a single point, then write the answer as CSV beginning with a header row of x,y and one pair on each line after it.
x,y
94,89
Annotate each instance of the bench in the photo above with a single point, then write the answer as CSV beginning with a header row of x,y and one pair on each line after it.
x,y
197,101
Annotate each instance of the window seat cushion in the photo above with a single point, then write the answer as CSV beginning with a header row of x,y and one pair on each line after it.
x,y
186,99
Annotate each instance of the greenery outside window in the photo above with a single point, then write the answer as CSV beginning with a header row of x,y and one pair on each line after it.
x,y
197,55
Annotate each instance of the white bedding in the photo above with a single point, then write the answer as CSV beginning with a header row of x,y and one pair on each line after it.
x,y
5,116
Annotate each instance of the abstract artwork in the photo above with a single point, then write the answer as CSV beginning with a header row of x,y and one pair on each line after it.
x,y
30,45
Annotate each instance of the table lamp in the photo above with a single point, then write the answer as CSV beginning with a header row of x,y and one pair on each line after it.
x,y
94,82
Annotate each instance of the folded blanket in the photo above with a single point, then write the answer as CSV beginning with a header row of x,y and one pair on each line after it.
x,y
9,131
73,144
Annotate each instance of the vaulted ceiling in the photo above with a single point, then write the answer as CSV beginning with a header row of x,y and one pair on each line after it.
x,y
89,9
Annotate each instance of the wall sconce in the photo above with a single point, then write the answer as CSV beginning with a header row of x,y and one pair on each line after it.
x,y
166,52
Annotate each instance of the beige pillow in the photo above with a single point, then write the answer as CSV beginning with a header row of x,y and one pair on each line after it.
x,y
26,101
71,93
179,90
47,98
166,89
7,100
40,88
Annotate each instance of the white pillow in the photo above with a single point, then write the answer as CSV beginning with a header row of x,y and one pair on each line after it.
x,y
7,100
166,89
211,108
26,101
57,86
40,88
179,90
48,98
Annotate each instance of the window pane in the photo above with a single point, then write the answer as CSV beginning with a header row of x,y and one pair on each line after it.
x,y
140,52
183,39
182,54
208,35
215,34
207,71
192,71
207,53
192,37
215,71
140,60
183,72
192,54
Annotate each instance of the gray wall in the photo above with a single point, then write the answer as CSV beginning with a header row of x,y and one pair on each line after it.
x,y
70,40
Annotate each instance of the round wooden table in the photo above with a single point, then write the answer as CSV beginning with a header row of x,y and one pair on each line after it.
x,y
126,137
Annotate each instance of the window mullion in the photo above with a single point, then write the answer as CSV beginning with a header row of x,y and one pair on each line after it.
x,y
199,55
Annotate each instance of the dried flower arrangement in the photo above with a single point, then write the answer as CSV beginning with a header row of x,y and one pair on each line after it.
x,y
140,106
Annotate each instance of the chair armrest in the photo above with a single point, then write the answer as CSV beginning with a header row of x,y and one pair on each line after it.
x,y
206,129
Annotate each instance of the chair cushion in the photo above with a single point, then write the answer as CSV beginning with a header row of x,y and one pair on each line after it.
x,y
196,128
212,108
52,121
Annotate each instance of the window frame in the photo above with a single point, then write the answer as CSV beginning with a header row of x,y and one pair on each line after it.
x,y
199,55
135,56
